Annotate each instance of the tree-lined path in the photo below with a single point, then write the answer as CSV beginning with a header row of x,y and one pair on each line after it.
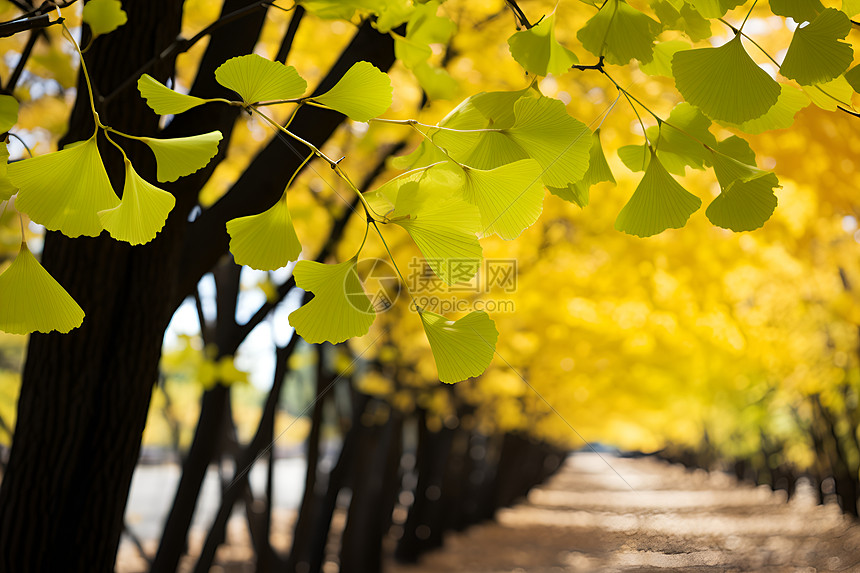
x,y
586,519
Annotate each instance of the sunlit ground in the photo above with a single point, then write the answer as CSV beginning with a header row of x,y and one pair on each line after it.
x,y
587,518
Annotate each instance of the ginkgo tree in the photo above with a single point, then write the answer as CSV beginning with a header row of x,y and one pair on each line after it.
x,y
479,171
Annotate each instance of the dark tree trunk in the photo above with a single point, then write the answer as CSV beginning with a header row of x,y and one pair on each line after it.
x,y
85,395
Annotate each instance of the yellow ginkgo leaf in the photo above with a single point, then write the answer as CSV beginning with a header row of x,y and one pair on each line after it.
x,y
6,187
257,79
32,301
162,99
183,156
104,16
462,348
266,241
141,213
65,190
362,93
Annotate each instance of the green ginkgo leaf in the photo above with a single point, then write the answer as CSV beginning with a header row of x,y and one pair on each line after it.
x,y
266,241
162,99
598,172
423,28
781,115
361,94
744,205
815,54
141,213
852,76
437,83
560,143
729,170
851,7
537,50
441,224
340,308
659,203
685,19
6,187
725,83
685,134
478,145
440,175
620,33
65,190
8,112
797,10
33,301
463,348
635,157
714,8
830,95
257,79
104,16
661,65
182,156
510,197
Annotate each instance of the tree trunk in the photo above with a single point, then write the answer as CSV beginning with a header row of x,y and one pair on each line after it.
x,y
85,395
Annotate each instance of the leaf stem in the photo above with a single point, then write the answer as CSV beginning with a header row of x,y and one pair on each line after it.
x,y
332,163
68,35
747,16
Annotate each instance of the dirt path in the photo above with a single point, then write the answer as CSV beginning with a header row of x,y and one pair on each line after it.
x,y
587,519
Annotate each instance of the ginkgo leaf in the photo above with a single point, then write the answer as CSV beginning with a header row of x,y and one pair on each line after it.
x,y
851,7
659,203
797,10
685,134
830,95
815,54
744,206
537,50
560,143
510,197
104,16
423,28
661,65
463,348
737,148
714,8
65,190
437,83
33,301
852,76
598,171
340,308
725,83
442,225
781,115
729,170
635,157
362,93
477,146
8,112
256,79
141,213
182,156
685,19
266,241
6,187
620,32
439,176
162,99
